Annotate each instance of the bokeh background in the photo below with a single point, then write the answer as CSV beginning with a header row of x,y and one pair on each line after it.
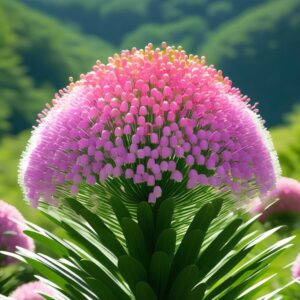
x,y
43,42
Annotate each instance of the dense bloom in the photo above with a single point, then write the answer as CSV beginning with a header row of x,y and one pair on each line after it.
x,y
286,196
149,116
30,291
11,231
296,268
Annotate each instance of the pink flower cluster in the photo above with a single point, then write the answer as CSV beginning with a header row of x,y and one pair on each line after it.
x,y
11,231
146,116
287,197
296,268
31,290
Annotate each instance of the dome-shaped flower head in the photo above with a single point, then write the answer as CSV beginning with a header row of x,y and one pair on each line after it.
x,y
286,198
31,290
156,118
11,232
296,268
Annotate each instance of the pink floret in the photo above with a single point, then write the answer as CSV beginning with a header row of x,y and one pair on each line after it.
x,y
296,268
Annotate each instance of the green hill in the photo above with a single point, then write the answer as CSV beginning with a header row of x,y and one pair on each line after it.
x,y
37,55
42,43
259,50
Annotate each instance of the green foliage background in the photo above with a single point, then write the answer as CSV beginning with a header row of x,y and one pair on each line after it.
x,y
255,42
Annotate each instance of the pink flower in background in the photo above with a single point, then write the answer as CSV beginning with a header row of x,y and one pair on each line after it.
x,y
157,118
11,232
286,196
30,291
296,268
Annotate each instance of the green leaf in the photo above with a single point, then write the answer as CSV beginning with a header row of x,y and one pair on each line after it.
x,y
191,243
203,218
235,291
146,223
90,247
112,284
210,257
183,283
132,271
159,270
144,291
164,215
187,252
105,235
102,290
252,290
46,271
250,267
166,242
49,265
9,279
46,296
135,241
74,293
63,243
217,205
51,244
273,293
198,292
233,261
119,209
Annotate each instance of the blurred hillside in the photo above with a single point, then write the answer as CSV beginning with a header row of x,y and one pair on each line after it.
x,y
37,54
43,42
